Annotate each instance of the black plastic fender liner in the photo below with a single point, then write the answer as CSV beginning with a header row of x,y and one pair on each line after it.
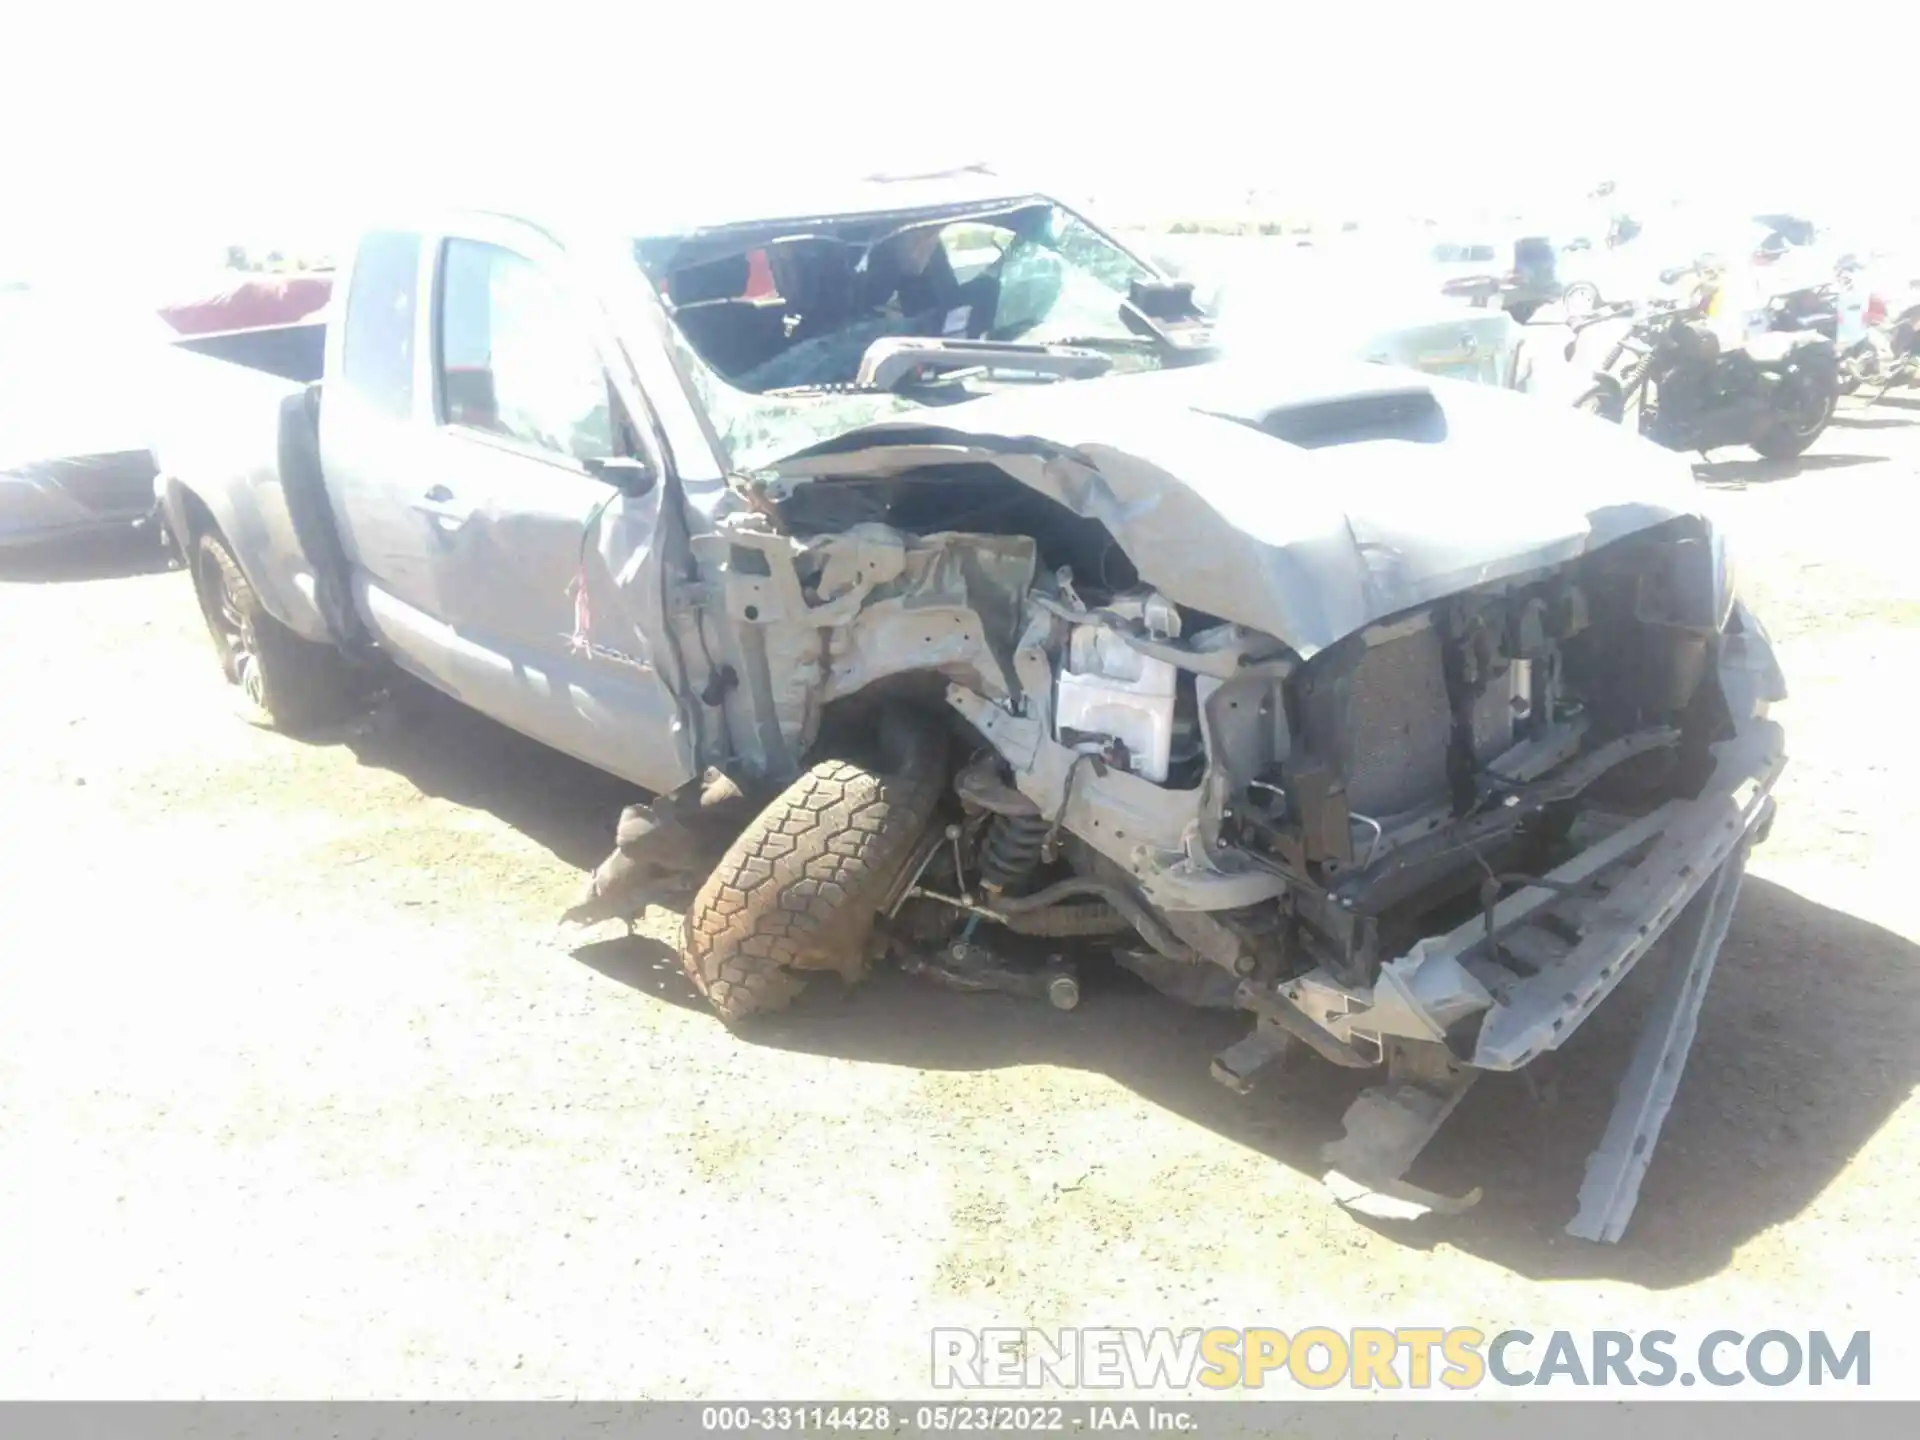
x,y
1604,396
311,513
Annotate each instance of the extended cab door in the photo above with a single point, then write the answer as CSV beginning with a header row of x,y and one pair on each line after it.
x,y
554,587
376,449
505,529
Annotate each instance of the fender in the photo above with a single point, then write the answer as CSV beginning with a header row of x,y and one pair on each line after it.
x,y
1612,395
1815,353
263,495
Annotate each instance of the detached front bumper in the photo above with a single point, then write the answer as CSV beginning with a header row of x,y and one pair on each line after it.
x,y
1668,880
1531,986
1698,840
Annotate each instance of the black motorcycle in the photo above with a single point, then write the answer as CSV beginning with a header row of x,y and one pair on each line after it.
x,y
1689,393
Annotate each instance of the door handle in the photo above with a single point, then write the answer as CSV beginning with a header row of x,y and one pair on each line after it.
x,y
443,505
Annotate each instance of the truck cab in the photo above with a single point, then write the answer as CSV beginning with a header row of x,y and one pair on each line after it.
x,y
487,446
494,474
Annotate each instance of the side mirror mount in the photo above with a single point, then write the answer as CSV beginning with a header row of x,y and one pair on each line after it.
x,y
630,475
1165,310
1163,300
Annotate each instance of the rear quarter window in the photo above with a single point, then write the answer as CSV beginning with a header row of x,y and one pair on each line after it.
x,y
376,355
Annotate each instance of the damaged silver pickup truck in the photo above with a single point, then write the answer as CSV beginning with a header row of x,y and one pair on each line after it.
x,y
1406,715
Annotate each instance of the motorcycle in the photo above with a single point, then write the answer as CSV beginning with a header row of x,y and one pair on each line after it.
x,y
1871,342
1697,377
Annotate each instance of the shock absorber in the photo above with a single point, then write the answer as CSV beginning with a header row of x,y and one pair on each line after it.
x,y
1011,851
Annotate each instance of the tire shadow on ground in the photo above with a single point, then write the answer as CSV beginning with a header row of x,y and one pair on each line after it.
x,y
1803,1053
1741,474
1862,420
644,963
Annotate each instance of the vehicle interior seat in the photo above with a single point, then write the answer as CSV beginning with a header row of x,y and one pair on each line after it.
x,y
469,397
816,276
930,297
732,331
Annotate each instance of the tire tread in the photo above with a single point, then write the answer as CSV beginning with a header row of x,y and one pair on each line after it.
x,y
799,888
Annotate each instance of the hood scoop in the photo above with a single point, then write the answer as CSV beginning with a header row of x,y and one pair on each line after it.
x,y
1386,415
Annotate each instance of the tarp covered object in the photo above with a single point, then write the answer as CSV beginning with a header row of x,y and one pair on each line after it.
x,y
248,301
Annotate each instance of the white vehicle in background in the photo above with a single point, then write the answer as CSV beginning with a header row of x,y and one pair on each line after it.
x,y
1639,269
1596,278
1519,269
1346,303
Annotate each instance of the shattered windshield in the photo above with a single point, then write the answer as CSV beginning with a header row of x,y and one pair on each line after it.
x,y
774,320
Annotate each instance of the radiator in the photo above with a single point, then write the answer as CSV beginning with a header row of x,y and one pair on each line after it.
x,y
1393,738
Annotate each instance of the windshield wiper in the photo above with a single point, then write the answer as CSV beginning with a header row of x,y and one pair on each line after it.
x,y
896,359
1127,343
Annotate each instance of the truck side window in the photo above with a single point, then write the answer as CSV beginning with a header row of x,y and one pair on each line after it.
x,y
512,360
377,356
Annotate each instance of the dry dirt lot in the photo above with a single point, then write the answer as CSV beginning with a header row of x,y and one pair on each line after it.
x,y
302,1093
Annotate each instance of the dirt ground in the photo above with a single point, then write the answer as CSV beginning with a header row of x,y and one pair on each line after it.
x,y
302,1092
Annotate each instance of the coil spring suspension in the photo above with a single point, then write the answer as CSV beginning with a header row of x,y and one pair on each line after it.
x,y
1011,851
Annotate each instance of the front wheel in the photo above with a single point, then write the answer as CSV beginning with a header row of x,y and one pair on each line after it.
x,y
1580,298
288,682
800,888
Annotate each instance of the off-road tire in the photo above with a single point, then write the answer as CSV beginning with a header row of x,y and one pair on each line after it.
x,y
285,680
1786,442
800,887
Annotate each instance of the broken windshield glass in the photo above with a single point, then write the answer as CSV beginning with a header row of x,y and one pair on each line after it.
x,y
773,320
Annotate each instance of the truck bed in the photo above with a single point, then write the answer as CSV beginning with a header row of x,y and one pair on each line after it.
x,y
239,428
290,352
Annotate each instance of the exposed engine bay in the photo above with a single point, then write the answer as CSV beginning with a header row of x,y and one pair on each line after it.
x,y
1325,813
1428,842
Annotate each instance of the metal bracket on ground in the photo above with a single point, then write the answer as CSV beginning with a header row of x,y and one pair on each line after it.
x,y
1235,1066
1387,1128
1616,1168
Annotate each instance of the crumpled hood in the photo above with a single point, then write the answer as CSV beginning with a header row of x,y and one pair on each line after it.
x,y
1313,538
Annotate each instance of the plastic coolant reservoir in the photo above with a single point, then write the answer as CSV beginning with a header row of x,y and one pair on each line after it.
x,y
1110,688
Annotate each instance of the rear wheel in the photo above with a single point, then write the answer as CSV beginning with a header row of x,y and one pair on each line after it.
x,y
1799,424
288,682
801,886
